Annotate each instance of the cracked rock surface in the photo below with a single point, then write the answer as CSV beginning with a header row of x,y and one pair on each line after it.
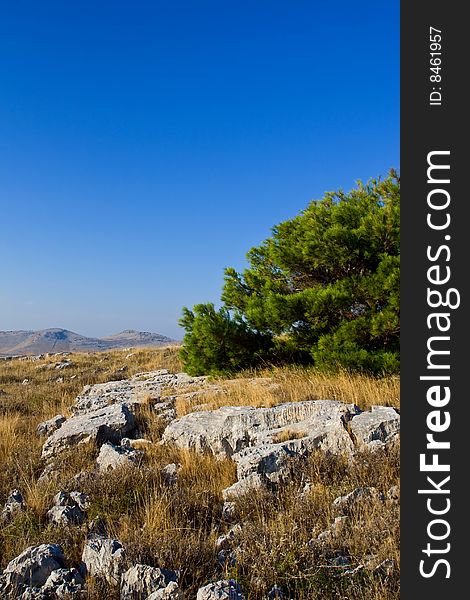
x,y
261,441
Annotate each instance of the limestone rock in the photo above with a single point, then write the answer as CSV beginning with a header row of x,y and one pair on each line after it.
x,y
106,424
65,515
68,508
34,565
376,427
393,494
230,429
136,390
228,511
275,593
48,427
13,505
170,473
253,482
104,557
63,583
385,569
226,540
226,589
141,580
81,500
33,594
359,496
333,530
112,457
171,592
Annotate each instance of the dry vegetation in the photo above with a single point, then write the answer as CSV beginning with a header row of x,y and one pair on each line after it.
x,y
177,526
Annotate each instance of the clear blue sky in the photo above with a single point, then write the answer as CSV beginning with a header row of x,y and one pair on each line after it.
x,y
146,145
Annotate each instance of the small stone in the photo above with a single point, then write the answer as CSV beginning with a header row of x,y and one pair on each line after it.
x,y
65,515
385,569
141,580
81,500
226,540
275,593
357,497
170,473
171,592
226,589
64,364
13,506
111,457
393,494
228,511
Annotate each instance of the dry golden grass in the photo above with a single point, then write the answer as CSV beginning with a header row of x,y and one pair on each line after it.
x,y
288,434
176,526
268,388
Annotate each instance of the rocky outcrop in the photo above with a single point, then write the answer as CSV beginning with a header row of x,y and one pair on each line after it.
x,y
136,390
358,497
262,441
105,412
232,429
48,427
30,569
376,427
110,423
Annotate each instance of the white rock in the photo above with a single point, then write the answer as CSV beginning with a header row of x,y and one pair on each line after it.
x,y
334,529
65,515
34,565
228,511
135,390
13,505
377,426
226,540
171,592
81,500
141,580
106,424
104,557
112,457
230,429
33,594
48,427
226,589
62,583
357,497
170,473
248,484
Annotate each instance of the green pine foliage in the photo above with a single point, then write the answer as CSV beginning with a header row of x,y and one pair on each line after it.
x,y
324,288
217,343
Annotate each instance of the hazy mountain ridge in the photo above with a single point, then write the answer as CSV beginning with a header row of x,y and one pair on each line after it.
x,y
25,342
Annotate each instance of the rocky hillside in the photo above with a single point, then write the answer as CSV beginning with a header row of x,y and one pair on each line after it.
x,y
18,343
158,485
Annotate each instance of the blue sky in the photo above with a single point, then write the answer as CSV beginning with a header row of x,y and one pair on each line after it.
x,y
147,145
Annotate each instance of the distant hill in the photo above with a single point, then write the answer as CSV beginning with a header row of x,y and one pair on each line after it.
x,y
14,343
